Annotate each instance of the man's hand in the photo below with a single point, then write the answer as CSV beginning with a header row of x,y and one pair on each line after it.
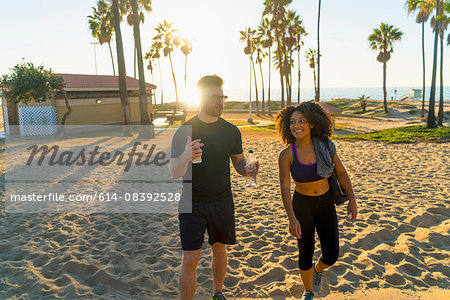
x,y
192,149
252,170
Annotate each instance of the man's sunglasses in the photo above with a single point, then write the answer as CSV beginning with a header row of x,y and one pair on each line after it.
x,y
217,98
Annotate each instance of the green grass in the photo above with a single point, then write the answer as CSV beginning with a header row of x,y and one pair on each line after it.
x,y
409,134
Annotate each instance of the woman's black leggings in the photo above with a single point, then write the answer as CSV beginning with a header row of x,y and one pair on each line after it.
x,y
316,212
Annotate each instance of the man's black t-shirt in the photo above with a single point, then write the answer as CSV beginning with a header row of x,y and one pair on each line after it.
x,y
212,176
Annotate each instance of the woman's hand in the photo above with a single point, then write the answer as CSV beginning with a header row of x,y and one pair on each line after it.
x,y
294,228
352,209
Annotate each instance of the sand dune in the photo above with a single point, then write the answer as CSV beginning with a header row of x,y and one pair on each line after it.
x,y
398,248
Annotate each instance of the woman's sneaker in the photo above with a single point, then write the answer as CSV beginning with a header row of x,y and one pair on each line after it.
x,y
307,295
317,279
218,296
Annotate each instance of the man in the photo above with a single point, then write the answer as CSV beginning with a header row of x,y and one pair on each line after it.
x,y
215,141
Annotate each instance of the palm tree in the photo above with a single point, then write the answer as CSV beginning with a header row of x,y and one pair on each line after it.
x,y
155,49
294,43
265,36
143,5
166,35
363,101
186,48
121,64
276,9
318,53
145,120
311,57
425,9
443,24
260,54
149,56
382,40
101,26
431,119
247,36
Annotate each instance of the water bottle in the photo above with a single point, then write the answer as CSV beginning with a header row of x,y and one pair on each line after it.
x,y
251,164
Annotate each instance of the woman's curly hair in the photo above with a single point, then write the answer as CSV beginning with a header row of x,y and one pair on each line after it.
x,y
313,112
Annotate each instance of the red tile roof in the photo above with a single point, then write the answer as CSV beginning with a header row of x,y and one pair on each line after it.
x,y
99,82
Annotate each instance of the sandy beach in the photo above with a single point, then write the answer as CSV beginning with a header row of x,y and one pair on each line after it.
x,y
398,248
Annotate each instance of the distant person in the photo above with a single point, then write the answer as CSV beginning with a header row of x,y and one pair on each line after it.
x,y
310,158
215,141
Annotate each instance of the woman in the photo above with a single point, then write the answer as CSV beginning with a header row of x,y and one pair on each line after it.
x,y
310,157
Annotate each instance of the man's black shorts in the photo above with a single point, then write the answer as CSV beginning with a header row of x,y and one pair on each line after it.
x,y
215,214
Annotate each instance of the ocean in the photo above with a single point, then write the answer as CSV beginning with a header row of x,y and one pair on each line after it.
x,y
375,93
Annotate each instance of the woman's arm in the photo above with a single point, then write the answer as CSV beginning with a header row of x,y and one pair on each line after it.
x,y
284,164
346,184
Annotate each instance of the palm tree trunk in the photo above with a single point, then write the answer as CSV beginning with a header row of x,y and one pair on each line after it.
x,y
315,83
154,96
160,82
68,112
262,87
268,90
384,88
299,76
134,65
282,89
174,83
431,119
122,71
441,88
284,57
280,63
185,68
423,70
290,77
256,86
147,131
112,58
318,53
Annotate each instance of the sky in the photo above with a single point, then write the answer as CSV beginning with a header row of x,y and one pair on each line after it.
x,y
55,34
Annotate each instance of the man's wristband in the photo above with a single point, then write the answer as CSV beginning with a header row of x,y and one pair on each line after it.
x,y
352,198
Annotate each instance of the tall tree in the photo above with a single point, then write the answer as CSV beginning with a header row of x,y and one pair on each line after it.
x,y
276,10
166,34
424,9
101,26
265,36
122,71
311,57
443,21
248,37
155,53
149,56
382,40
186,49
431,118
259,59
143,6
318,53
147,131
294,42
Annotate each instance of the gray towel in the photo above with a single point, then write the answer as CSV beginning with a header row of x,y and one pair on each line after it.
x,y
325,151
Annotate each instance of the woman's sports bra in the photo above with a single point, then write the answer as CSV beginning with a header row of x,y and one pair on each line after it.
x,y
302,172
